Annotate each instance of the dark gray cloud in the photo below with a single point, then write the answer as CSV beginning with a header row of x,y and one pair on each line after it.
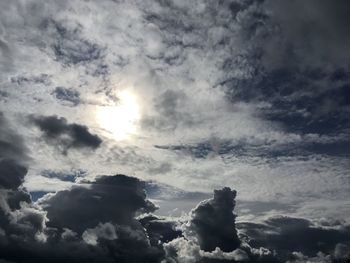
x,y
69,47
59,131
280,234
85,207
315,33
31,79
12,145
300,70
213,222
304,146
20,220
278,239
11,173
210,235
303,101
102,226
13,155
67,95
159,229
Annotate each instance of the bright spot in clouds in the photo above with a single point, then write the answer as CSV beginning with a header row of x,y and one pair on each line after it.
x,y
120,120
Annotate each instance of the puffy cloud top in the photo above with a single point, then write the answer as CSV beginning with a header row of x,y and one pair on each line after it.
x,y
213,222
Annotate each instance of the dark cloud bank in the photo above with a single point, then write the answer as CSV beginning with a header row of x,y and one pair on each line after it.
x,y
110,220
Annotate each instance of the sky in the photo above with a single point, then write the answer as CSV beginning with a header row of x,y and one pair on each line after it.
x,y
131,129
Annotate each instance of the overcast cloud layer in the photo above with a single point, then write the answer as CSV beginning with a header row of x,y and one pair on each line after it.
x,y
247,95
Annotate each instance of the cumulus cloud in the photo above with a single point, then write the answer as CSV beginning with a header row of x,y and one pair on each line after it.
x,y
108,220
210,235
213,222
21,220
84,207
277,239
65,226
248,94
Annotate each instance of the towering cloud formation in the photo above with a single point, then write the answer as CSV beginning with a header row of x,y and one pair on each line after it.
x,y
210,234
213,222
21,222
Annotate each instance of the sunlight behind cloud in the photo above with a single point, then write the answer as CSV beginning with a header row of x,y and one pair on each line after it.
x,y
120,120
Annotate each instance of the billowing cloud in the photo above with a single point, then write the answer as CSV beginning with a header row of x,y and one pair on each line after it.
x,y
109,220
84,207
241,94
210,235
45,232
213,222
21,220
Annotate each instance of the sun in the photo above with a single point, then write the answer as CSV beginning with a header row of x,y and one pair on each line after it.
x,y
121,120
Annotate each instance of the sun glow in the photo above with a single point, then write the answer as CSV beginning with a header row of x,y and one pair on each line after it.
x,y
121,120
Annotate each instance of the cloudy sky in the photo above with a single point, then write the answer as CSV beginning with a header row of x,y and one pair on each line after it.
x,y
250,98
